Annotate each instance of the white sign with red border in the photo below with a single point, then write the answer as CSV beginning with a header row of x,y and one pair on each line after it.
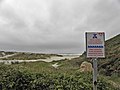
x,y
95,44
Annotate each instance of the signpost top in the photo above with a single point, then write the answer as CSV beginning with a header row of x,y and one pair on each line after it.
x,y
95,44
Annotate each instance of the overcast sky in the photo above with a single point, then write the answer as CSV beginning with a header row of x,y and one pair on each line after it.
x,y
55,26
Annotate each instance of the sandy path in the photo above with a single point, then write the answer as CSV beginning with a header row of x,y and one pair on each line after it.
x,y
46,60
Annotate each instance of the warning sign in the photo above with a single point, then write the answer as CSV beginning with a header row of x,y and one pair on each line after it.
x,y
95,44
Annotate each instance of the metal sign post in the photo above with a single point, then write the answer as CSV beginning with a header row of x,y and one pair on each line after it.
x,y
95,74
95,48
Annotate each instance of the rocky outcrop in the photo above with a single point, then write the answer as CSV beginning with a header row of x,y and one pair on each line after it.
x,y
86,67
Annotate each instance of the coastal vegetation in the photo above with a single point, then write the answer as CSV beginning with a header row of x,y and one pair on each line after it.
x,y
42,75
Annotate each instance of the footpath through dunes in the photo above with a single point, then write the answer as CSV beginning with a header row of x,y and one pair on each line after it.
x,y
7,56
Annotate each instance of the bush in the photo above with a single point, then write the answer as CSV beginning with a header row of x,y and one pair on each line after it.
x,y
13,79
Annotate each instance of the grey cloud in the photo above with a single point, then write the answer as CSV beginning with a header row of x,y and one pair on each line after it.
x,y
13,28
1,0
15,21
65,29
105,16
48,48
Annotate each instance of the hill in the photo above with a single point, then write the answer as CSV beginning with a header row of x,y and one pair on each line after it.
x,y
110,65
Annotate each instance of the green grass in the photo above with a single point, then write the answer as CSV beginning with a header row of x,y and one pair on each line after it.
x,y
45,67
